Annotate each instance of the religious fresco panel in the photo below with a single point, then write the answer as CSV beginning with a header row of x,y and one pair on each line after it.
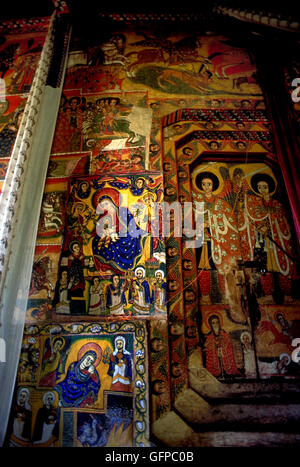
x,y
111,265
66,165
44,271
145,119
102,122
20,54
227,345
246,251
20,49
11,113
276,339
82,385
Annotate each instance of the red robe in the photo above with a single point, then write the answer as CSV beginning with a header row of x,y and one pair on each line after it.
x,y
214,363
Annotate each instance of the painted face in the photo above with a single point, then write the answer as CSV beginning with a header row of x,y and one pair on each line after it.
x,y
263,188
107,205
120,345
139,275
157,345
172,252
189,296
172,285
88,361
76,249
57,345
188,151
139,182
159,276
281,320
187,265
160,386
215,324
22,397
237,178
73,104
49,400
176,370
207,185
247,340
148,200
64,276
176,329
116,281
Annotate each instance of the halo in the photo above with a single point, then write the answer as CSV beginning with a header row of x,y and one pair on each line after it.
x,y
211,313
46,394
84,182
59,338
285,355
24,389
243,334
140,268
90,346
211,170
73,243
162,273
263,177
206,174
106,193
147,194
140,178
120,338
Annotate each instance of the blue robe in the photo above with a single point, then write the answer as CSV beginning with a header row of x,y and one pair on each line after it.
x,y
147,296
111,289
78,386
127,248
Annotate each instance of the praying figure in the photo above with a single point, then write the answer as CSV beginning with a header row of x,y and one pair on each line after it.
x,y
139,293
120,367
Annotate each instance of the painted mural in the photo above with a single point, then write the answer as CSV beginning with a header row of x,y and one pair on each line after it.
x,y
20,51
111,264
116,307
77,384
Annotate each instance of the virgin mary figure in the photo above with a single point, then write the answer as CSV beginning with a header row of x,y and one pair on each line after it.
x,y
119,238
81,385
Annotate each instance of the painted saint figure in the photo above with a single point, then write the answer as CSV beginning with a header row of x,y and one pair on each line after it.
x,y
52,361
81,385
220,241
272,233
46,426
120,366
61,300
118,238
249,355
97,302
116,299
139,293
160,292
76,282
22,417
219,351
